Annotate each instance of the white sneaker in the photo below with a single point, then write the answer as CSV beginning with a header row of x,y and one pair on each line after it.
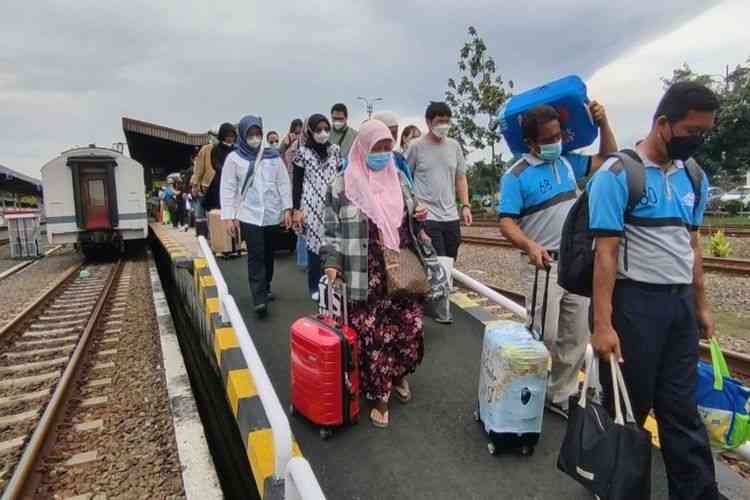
x,y
316,296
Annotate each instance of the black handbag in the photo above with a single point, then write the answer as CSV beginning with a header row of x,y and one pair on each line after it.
x,y
611,458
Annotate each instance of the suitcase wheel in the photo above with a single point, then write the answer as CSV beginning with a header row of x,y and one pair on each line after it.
x,y
491,448
325,433
526,451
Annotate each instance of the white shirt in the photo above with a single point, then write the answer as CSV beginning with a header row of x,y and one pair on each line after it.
x,y
265,201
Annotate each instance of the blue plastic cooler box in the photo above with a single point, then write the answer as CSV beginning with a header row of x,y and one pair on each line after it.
x,y
568,96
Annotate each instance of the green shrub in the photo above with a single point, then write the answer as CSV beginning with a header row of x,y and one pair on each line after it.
x,y
734,207
720,246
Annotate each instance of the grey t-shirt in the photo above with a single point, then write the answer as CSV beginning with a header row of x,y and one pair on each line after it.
x,y
435,167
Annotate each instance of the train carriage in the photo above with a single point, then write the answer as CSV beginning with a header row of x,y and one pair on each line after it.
x,y
95,197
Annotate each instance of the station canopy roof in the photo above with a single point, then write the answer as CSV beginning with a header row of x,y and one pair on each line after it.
x,y
16,182
161,150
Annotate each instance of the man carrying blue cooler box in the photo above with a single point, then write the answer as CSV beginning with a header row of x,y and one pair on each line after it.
x,y
536,194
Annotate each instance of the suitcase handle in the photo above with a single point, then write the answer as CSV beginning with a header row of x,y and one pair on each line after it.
x,y
329,292
544,300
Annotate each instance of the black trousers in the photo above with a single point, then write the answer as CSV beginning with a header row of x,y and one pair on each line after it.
x,y
259,240
659,341
445,236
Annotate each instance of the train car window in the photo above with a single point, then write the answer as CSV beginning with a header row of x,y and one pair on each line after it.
x,y
96,193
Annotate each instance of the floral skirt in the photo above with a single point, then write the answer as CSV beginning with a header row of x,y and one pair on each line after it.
x,y
391,339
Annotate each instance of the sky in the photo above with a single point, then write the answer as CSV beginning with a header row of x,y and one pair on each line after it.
x,y
69,70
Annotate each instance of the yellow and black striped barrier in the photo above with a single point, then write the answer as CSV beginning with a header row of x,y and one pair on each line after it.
x,y
220,343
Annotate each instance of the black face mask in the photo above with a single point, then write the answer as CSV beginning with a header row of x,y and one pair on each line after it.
x,y
682,147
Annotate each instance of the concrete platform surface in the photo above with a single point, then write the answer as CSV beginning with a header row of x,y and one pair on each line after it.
x,y
433,449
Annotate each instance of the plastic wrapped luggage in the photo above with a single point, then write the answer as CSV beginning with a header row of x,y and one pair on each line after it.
x,y
568,96
325,365
513,384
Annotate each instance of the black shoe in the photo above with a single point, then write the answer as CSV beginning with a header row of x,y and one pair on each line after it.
x,y
270,297
261,310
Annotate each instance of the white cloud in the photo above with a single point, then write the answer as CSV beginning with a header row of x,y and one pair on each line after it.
x,y
69,69
631,86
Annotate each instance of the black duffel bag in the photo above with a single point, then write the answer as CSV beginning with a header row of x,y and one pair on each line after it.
x,y
611,458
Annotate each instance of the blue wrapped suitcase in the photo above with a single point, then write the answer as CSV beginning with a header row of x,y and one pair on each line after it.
x,y
568,96
513,384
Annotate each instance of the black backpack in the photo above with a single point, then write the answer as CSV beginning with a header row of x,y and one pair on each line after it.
x,y
575,272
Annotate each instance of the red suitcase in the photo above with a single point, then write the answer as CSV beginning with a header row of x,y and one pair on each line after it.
x,y
324,363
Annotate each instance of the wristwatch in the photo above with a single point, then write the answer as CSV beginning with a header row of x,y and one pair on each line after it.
x,y
465,206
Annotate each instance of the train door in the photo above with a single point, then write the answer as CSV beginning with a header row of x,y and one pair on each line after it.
x,y
95,202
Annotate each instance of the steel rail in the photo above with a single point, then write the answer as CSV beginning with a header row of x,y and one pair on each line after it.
x,y
25,466
20,317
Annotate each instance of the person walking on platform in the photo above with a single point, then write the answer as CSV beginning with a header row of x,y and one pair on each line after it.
x,y
411,133
288,146
536,196
390,120
314,166
272,138
342,135
255,199
370,209
649,298
206,178
439,168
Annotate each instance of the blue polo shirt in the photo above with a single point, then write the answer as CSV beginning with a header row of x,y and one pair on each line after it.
x,y
539,195
658,228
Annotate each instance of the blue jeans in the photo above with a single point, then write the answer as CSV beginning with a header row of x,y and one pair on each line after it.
x,y
314,271
301,251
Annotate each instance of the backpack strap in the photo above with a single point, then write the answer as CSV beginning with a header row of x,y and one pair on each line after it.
x,y
635,173
695,174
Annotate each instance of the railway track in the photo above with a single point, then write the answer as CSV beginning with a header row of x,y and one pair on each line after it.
x,y
733,230
739,267
42,349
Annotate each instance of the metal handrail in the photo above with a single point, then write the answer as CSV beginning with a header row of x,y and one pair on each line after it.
x,y
282,432
491,294
300,482
303,484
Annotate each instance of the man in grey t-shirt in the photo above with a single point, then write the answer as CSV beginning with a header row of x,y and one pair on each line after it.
x,y
439,169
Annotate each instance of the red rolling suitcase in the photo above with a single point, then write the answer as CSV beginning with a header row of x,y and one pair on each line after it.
x,y
324,363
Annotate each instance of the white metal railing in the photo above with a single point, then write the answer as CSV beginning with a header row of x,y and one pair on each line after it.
x,y
488,292
304,484
300,482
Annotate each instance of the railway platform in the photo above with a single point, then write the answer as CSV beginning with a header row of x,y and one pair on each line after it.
x,y
433,448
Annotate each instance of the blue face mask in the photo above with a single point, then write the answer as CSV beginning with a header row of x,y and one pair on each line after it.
x,y
378,161
550,152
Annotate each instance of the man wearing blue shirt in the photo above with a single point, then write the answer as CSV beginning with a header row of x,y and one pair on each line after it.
x,y
649,301
536,195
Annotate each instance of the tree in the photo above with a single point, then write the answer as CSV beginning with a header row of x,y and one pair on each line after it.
x,y
484,177
476,96
726,152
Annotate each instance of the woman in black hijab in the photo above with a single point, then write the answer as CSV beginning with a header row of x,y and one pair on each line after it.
x,y
314,166
219,153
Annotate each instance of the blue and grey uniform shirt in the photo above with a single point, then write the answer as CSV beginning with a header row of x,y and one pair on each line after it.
x,y
539,195
658,228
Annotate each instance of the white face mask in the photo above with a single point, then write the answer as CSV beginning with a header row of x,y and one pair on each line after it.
x,y
254,141
441,131
322,136
339,124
